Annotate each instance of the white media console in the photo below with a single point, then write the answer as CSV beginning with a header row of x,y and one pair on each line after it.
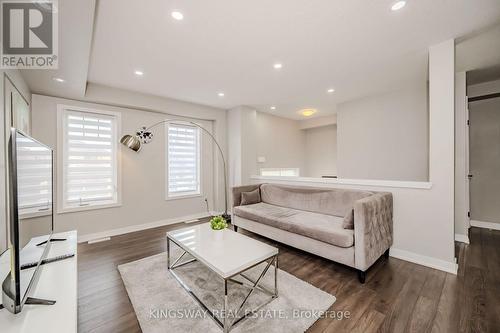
x,y
58,281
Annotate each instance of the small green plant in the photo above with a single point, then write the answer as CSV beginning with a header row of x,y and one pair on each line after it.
x,y
218,223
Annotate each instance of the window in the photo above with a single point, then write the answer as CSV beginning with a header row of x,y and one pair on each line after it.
x,y
34,177
280,172
183,160
88,159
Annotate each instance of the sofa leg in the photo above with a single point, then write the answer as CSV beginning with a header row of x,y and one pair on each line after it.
x,y
386,254
362,276
235,228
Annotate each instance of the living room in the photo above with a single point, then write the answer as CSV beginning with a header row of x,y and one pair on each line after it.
x,y
248,167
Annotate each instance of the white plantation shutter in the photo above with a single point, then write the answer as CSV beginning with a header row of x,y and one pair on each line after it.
x,y
89,159
34,176
183,175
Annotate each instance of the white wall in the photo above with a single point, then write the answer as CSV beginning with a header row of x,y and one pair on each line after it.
x,y
242,145
309,145
423,211
234,147
318,121
479,50
248,143
10,80
485,88
321,151
143,174
385,136
281,142
441,149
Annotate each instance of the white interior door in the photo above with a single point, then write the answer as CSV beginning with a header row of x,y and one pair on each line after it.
x,y
485,160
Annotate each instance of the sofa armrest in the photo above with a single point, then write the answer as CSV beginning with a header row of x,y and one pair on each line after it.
x,y
237,192
373,230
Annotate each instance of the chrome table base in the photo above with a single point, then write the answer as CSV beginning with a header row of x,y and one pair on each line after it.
x,y
226,324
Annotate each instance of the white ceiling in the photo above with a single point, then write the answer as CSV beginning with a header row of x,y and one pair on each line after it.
x,y
358,47
479,56
76,22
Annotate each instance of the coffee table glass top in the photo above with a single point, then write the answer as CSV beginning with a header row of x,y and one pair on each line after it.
x,y
226,252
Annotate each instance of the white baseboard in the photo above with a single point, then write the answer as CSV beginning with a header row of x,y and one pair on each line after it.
x,y
442,265
462,238
138,227
486,225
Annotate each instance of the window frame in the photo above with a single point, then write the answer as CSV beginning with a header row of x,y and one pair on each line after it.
x,y
188,195
34,211
60,202
280,170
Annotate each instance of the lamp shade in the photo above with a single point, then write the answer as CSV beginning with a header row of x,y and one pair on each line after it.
x,y
131,142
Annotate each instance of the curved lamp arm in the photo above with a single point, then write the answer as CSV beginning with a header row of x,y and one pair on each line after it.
x,y
144,136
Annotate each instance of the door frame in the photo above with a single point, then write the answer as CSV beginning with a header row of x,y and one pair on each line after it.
x,y
461,188
467,163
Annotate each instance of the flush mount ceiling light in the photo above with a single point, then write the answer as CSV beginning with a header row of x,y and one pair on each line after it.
x,y
221,94
398,5
177,15
139,73
58,79
308,112
273,108
278,66
330,91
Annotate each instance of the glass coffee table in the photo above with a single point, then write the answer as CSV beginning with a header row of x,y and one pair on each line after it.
x,y
228,254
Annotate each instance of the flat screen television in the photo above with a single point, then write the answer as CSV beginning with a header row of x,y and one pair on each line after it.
x,y
30,216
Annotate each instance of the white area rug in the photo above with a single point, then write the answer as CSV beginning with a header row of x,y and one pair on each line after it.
x,y
162,305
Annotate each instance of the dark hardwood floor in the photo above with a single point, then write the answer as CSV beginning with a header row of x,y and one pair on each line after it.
x,y
398,296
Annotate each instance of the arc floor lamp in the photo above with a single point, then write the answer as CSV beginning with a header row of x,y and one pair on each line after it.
x,y
145,136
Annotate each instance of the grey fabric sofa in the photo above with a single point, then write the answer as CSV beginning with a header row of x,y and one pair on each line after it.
x,y
314,220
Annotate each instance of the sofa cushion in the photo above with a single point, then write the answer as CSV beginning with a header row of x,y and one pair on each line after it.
x,y
252,197
322,227
336,202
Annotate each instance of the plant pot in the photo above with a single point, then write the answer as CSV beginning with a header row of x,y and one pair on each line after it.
x,y
217,234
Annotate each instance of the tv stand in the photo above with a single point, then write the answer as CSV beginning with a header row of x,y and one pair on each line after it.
x,y
47,261
38,301
52,240
57,281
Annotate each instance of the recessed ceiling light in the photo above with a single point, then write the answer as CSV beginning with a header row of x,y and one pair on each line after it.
x,y
278,66
398,5
139,73
221,94
58,79
308,112
331,90
273,108
177,15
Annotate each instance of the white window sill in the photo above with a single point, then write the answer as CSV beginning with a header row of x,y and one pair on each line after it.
x,y
340,181
89,207
183,196
33,214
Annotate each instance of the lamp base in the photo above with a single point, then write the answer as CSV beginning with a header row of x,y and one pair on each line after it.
x,y
227,217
